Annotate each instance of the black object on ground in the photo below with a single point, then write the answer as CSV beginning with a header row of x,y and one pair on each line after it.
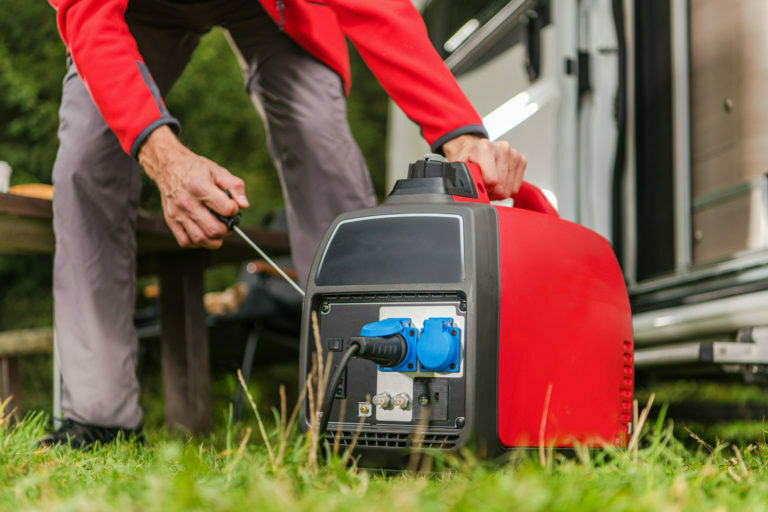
x,y
82,436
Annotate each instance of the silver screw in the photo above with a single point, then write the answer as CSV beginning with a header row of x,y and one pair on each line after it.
x,y
383,400
402,400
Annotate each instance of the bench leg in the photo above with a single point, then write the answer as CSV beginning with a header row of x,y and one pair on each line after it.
x,y
10,384
184,337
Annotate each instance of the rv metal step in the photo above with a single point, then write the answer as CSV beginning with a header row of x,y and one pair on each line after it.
x,y
707,352
701,320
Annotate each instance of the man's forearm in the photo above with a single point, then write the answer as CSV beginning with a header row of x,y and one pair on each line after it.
x,y
393,41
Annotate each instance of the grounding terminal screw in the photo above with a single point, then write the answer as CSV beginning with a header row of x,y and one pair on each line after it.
x,y
364,409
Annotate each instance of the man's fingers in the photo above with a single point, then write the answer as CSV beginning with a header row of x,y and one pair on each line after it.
x,y
197,235
519,171
178,232
217,200
212,227
504,164
511,158
499,166
187,206
494,176
227,181
487,163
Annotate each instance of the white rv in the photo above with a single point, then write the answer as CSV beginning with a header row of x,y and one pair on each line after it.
x,y
647,121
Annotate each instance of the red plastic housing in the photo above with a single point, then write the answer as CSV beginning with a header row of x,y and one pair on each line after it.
x,y
565,350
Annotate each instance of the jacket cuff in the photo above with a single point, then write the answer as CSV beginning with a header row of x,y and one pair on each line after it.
x,y
470,129
165,119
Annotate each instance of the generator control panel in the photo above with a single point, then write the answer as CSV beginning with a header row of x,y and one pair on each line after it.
x,y
438,353
426,387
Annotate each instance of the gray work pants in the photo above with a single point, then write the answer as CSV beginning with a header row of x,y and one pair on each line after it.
x,y
96,187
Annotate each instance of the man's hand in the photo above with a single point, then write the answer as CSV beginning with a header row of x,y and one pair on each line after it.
x,y
501,166
190,184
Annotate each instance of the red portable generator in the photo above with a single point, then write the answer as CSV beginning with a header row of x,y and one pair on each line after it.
x,y
471,324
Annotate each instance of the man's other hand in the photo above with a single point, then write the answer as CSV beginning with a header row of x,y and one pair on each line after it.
x,y
190,184
501,166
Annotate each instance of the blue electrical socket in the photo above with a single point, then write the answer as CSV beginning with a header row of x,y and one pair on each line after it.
x,y
439,346
403,327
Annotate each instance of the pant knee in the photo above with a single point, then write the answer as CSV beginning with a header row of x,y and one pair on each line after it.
x,y
89,158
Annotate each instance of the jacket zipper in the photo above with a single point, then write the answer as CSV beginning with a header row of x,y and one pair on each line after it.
x,y
280,7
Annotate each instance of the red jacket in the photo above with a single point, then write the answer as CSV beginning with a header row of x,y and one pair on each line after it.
x,y
389,34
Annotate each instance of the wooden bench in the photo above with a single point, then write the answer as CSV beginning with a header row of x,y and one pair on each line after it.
x,y
26,227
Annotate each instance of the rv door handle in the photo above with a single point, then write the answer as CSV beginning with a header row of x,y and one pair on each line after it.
x,y
533,45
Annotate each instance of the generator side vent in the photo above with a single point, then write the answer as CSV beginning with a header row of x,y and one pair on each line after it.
x,y
625,392
397,439
393,296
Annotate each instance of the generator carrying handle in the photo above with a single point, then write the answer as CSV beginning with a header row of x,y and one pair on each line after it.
x,y
529,197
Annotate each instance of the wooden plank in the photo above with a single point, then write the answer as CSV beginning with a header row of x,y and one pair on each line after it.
x,y
25,226
184,338
155,237
25,235
26,341
10,385
22,206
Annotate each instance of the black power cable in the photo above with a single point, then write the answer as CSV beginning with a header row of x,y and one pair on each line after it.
x,y
330,393
386,351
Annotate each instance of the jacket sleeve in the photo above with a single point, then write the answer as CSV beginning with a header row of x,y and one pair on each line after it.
x,y
108,61
392,39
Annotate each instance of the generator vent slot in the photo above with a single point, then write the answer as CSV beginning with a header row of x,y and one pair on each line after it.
x,y
391,296
442,441
396,439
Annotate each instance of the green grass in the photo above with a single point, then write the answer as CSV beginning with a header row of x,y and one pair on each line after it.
x,y
220,472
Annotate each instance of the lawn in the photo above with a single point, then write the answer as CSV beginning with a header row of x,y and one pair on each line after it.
x,y
231,470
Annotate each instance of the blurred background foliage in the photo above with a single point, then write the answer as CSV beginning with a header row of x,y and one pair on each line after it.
x,y
216,114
